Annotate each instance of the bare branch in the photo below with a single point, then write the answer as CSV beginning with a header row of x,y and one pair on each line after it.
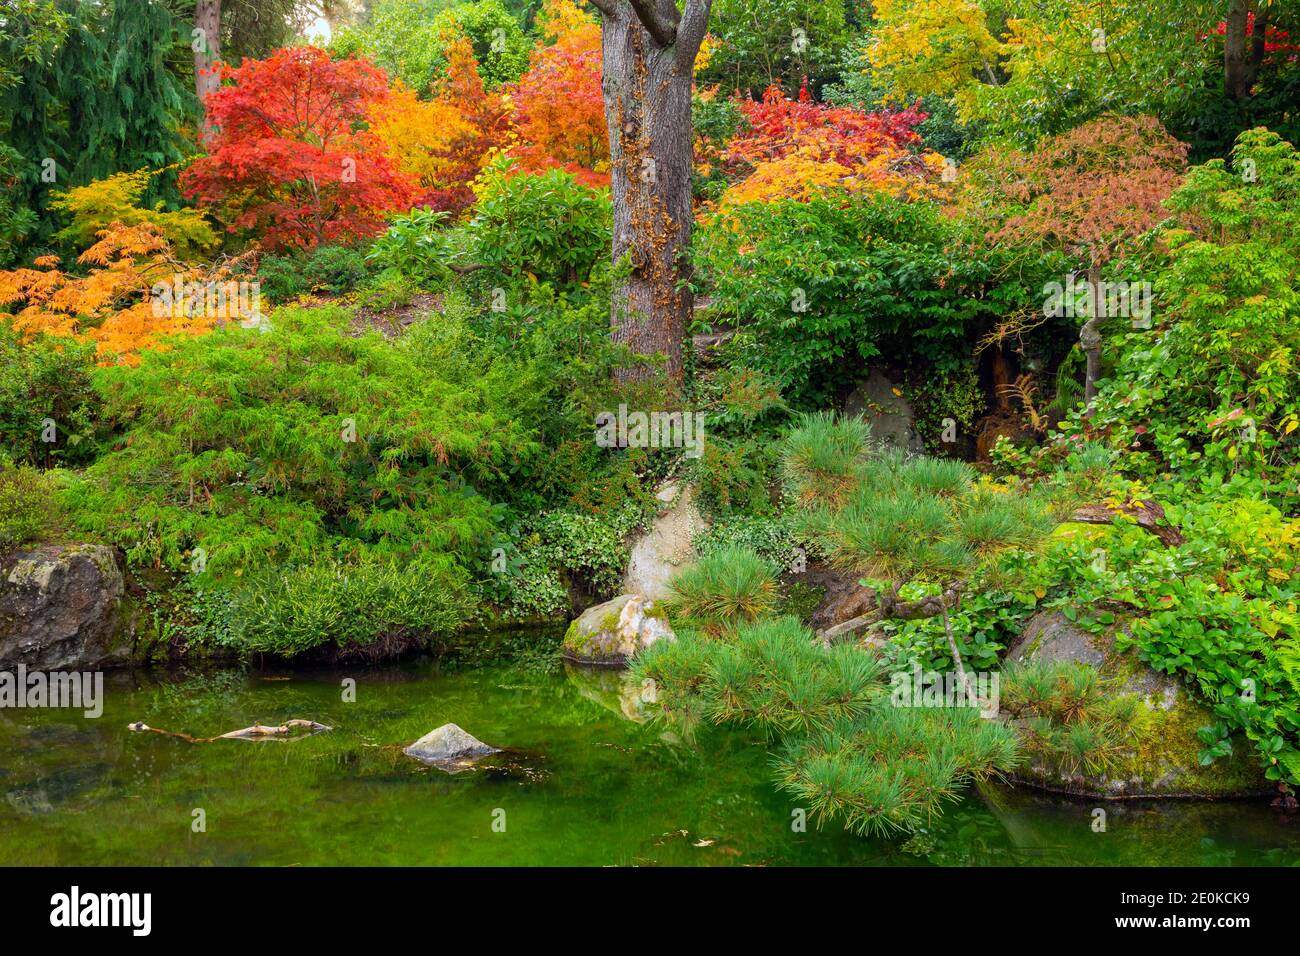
x,y
660,19
608,7
690,32
889,608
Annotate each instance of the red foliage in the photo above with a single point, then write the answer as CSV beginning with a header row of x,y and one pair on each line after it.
x,y
1275,40
780,125
289,159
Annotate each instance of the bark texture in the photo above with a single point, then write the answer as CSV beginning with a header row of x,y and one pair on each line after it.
x,y
207,17
648,59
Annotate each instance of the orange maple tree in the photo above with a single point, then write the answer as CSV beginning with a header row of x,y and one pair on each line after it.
x,y
559,112
112,305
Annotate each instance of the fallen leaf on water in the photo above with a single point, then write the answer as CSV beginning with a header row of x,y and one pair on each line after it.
x,y
703,843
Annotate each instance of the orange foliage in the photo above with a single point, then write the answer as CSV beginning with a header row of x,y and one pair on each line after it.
x,y
112,304
559,111
795,148
445,141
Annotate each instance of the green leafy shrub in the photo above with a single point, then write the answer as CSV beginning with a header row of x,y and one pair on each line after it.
x,y
334,269
46,391
28,511
545,559
414,246
818,287
370,610
775,539
309,446
547,226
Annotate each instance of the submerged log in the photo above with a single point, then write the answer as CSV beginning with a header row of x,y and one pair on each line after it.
x,y
255,732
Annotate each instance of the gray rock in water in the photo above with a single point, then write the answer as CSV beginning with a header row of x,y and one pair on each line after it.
x,y
449,748
59,608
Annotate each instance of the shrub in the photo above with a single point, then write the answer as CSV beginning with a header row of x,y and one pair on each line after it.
x,y
546,225
280,447
336,269
370,610
846,753
724,589
820,286
47,380
415,245
27,507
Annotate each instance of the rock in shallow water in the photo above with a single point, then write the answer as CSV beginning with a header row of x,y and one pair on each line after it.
x,y
449,748
612,633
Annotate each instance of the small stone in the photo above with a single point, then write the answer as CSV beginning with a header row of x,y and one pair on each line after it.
x,y
449,747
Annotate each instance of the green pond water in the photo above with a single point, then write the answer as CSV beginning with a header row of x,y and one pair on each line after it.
x,y
581,784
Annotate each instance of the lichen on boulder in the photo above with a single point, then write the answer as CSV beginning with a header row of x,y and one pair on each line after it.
x,y
613,633
60,607
1161,757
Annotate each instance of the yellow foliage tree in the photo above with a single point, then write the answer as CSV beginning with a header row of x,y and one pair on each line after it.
x,y
934,46
117,199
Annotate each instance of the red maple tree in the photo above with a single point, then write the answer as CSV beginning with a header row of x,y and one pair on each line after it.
x,y
291,158
1090,192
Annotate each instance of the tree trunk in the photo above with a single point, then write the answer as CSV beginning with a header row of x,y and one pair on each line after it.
x,y
646,81
207,50
1090,334
1235,67
1256,58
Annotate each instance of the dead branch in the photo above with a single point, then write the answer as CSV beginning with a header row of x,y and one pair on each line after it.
x,y
1147,514
255,732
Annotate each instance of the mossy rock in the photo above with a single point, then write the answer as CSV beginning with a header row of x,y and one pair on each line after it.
x,y
61,608
611,634
1164,759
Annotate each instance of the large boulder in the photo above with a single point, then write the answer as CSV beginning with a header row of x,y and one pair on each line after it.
x,y
60,608
880,403
612,633
658,554
1165,755
449,748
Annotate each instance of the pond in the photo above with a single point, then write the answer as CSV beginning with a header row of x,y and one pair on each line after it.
x,y
581,784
